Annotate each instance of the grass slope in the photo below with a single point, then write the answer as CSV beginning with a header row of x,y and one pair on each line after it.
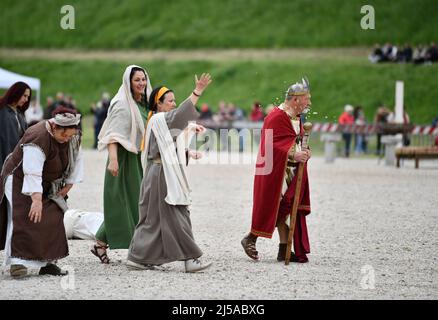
x,y
215,24
334,82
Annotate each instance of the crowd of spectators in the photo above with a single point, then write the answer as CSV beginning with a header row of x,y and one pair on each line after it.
x,y
227,116
36,112
405,54
229,112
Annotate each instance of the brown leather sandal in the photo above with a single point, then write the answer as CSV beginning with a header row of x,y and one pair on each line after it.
x,y
103,256
249,245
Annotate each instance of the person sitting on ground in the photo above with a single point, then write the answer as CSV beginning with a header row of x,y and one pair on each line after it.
x,y
377,55
432,53
419,55
406,54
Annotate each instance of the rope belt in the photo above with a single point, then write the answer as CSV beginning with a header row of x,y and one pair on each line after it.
x,y
157,159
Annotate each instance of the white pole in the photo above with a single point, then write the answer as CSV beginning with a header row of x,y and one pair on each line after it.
x,y
399,96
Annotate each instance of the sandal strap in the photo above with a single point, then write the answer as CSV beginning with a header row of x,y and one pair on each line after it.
x,y
103,257
249,246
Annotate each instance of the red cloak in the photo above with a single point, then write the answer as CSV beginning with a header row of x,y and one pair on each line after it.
x,y
277,138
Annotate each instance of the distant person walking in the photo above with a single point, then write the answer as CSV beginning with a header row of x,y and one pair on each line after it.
x,y
380,118
347,120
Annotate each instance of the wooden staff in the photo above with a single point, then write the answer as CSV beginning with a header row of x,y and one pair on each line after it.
x,y
293,216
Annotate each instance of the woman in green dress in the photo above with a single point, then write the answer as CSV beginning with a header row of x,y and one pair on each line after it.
x,y
122,134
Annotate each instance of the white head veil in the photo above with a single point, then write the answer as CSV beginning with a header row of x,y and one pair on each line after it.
x,y
124,124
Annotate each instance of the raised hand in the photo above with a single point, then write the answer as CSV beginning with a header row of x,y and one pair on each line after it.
x,y
202,83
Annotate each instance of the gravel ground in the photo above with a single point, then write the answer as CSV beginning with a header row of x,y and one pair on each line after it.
x,y
373,235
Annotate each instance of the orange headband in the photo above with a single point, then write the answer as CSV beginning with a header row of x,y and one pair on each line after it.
x,y
160,93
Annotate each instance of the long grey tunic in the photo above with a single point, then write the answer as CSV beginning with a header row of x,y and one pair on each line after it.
x,y
12,124
164,232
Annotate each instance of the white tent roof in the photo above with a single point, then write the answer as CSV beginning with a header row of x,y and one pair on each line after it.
x,y
8,78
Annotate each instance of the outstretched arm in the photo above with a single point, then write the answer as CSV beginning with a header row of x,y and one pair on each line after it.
x,y
178,118
200,85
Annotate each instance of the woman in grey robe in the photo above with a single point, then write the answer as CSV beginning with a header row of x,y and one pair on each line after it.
x,y
164,232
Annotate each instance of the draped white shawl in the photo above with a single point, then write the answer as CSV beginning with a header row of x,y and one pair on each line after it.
x,y
124,123
173,161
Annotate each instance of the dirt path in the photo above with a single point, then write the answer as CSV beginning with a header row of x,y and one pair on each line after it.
x,y
207,54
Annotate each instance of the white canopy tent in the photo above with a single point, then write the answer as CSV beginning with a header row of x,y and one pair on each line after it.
x,y
8,78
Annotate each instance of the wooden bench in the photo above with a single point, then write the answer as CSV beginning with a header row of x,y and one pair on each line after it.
x,y
416,153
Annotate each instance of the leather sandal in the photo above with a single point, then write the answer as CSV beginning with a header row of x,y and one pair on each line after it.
x,y
103,257
53,270
249,245
18,271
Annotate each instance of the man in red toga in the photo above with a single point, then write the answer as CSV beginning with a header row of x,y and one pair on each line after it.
x,y
275,179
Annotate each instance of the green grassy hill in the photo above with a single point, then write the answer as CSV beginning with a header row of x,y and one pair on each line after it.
x,y
334,82
215,24
193,24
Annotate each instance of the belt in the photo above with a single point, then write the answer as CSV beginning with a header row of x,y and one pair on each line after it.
x,y
292,164
157,159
